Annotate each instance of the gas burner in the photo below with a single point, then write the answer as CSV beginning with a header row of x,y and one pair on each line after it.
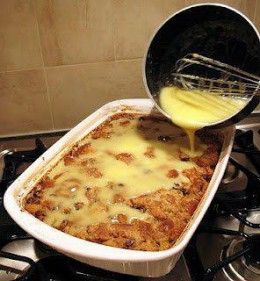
x,y
11,266
239,203
247,142
245,149
58,268
13,160
2,162
233,180
253,257
44,249
239,260
231,173
247,266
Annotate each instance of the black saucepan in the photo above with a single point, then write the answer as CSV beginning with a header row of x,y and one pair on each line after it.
x,y
212,30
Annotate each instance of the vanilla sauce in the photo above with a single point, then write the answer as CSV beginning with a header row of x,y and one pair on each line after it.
x,y
193,110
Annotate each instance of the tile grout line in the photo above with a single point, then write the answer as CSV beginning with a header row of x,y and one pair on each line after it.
x,y
19,70
115,35
47,95
70,65
255,13
94,62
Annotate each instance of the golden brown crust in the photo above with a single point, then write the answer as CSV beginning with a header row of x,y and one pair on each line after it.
x,y
169,210
119,198
172,173
125,123
125,157
149,152
208,159
76,151
91,193
102,131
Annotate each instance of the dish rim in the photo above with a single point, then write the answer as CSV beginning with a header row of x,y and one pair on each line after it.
x,y
77,247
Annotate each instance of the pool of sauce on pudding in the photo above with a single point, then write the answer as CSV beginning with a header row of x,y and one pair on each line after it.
x,y
193,110
87,191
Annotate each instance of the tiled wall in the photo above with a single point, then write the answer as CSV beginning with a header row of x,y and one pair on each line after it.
x,y
62,59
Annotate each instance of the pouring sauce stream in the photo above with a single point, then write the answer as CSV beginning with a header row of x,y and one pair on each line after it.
x,y
193,110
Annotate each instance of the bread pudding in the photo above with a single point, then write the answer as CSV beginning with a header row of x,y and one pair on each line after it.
x,y
131,183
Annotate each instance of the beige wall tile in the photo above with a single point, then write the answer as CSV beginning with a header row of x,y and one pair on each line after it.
x,y
19,40
135,22
75,31
257,15
77,91
23,104
232,3
245,6
248,8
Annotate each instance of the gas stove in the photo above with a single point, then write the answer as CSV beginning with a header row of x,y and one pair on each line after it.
x,y
226,245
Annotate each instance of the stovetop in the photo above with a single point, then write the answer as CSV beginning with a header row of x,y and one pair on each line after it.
x,y
226,245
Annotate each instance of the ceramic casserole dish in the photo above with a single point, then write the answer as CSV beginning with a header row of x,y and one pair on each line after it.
x,y
141,263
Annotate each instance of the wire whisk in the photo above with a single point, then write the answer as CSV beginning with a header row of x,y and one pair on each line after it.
x,y
196,72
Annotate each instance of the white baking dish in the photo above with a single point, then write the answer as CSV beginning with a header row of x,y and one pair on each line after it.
x,y
133,262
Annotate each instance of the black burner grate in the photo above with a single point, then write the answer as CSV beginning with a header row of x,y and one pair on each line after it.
x,y
57,267
250,250
239,203
245,140
13,160
61,268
